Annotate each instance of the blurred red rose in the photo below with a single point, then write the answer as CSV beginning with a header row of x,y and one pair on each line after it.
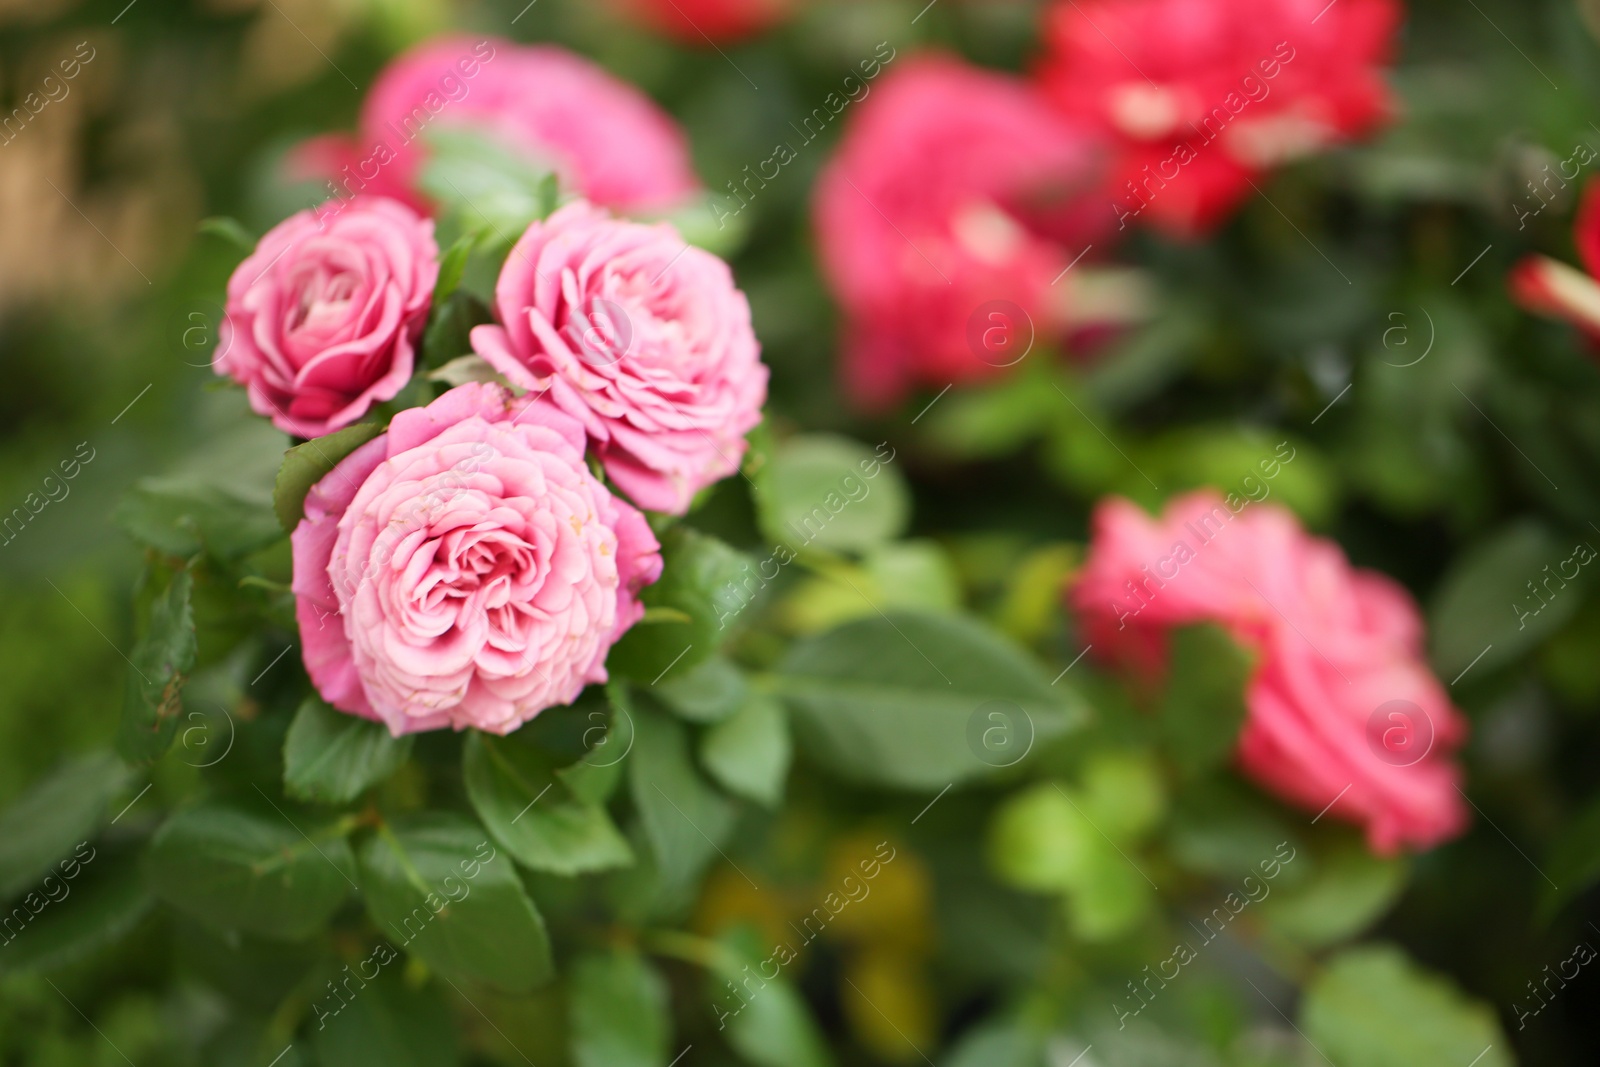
x,y
1342,709
702,22
1550,287
606,139
938,223
1203,95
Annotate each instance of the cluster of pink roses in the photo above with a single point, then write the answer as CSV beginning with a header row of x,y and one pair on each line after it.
x,y
466,567
956,187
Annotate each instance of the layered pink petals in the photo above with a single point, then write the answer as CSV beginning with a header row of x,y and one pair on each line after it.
x,y
604,138
1203,95
1333,645
466,568
952,188
642,338
324,316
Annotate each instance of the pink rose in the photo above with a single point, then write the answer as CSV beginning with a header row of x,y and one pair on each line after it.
x,y
604,138
1341,704
1201,96
642,338
466,568
323,317
953,187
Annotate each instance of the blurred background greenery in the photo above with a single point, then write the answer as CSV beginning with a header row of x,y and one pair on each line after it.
x,y
1458,474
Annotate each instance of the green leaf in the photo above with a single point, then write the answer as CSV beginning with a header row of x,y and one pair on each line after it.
x,y
1204,708
707,693
771,1025
1349,890
1485,600
435,883
514,789
106,902
619,1010
1574,863
251,870
607,743
159,666
230,230
749,752
1041,840
699,579
383,1023
1373,1007
306,464
999,418
449,332
476,176
183,517
452,265
919,701
332,757
832,493
998,1044
42,826
685,820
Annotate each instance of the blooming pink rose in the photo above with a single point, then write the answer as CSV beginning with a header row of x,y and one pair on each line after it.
x,y
705,22
1334,645
1204,95
465,568
642,338
943,196
1550,287
606,140
323,317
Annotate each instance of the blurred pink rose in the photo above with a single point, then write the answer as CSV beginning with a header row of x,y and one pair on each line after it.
x,y
1551,287
1337,649
1203,95
943,197
466,568
323,317
606,139
642,338
706,22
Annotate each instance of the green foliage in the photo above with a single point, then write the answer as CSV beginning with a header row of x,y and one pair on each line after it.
x,y
183,517
332,757
386,1023
832,493
306,464
685,819
1372,1007
67,807
533,815
620,1013
696,588
251,870
748,753
435,884
157,669
1204,710
890,699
